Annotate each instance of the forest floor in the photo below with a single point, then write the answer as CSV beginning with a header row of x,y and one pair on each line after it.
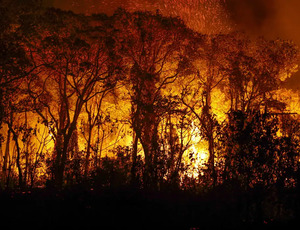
x,y
129,209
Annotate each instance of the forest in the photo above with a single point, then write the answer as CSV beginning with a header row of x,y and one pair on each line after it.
x,y
139,104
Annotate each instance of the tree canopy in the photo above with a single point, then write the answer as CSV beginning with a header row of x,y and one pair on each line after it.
x,y
142,97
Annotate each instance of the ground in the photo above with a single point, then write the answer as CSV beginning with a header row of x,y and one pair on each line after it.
x,y
127,208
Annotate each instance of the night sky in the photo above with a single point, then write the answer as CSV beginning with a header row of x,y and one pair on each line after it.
x,y
269,18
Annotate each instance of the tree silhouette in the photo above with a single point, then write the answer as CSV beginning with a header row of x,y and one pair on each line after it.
x,y
147,91
255,154
151,46
209,73
76,66
15,66
256,70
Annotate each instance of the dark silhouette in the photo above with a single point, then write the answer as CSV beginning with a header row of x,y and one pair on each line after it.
x,y
108,116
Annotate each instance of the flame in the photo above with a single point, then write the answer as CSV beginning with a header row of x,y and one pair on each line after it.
x,y
211,19
199,152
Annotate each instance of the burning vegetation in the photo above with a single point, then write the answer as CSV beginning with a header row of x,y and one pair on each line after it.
x,y
140,100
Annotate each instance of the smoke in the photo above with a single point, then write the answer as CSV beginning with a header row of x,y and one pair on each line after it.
x,y
90,6
251,15
288,24
207,16
274,18
269,18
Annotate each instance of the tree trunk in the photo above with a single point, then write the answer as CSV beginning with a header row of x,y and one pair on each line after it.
x,y
88,152
211,159
5,160
149,140
145,120
134,163
26,152
60,159
15,137
209,123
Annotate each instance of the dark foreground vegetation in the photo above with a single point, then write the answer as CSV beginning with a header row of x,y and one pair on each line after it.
x,y
79,208
103,119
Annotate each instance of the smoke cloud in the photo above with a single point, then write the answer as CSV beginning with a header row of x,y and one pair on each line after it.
x,y
269,18
251,15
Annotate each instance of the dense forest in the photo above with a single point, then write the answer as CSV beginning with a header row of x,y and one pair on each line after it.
x,y
137,101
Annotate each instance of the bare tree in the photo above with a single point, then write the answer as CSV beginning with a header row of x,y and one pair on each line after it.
x,y
77,66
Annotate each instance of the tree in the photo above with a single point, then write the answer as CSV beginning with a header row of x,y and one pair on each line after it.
x,y
152,48
76,66
96,118
177,136
256,70
15,66
255,153
209,64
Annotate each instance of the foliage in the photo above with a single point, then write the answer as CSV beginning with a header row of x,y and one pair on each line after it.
x,y
254,154
134,99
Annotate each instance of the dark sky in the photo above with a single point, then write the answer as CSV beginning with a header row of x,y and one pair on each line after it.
x,y
270,18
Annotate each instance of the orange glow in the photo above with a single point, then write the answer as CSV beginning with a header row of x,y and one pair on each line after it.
x,y
143,84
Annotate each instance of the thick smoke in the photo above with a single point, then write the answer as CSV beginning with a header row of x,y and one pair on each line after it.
x,y
269,18
274,18
251,15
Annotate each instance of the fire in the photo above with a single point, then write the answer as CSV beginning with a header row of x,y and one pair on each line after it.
x,y
198,153
160,92
198,163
